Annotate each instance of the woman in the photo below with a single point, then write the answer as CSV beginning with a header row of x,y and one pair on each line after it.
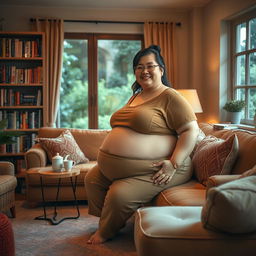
x,y
146,151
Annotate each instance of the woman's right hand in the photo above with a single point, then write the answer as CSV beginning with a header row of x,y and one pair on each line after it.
x,y
165,174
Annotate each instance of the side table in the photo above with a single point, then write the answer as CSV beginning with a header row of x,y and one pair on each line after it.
x,y
58,175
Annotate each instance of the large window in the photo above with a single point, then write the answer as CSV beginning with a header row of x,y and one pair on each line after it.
x,y
96,78
244,64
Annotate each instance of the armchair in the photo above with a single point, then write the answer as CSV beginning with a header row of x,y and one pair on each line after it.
x,y
8,183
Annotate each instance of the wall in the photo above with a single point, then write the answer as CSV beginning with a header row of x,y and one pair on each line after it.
x,y
17,19
214,81
200,63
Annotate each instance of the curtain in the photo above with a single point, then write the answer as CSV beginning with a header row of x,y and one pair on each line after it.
x,y
163,34
54,37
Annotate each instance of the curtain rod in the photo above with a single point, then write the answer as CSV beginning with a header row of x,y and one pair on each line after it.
x,y
107,21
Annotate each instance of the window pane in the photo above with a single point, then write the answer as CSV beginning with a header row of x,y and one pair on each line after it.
x,y
240,95
115,76
240,70
252,34
252,102
74,85
241,37
252,68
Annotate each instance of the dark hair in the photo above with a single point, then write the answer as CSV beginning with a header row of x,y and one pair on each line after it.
x,y
155,49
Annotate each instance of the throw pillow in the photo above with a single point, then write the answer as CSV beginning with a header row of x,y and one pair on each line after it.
x,y
65,145
214,156
231,207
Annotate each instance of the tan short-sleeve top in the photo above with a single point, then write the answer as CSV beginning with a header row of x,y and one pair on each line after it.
x,y
163,114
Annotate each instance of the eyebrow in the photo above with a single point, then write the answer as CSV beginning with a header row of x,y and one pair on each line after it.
x,y
146,63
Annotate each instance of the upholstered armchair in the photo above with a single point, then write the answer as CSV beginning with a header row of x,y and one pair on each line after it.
x,y
8,183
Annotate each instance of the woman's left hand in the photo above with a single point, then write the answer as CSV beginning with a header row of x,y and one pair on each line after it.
x,y
165,174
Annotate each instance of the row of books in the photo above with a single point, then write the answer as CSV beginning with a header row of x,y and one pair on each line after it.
x,y
13,75
14,47
22,119
22,144
10,97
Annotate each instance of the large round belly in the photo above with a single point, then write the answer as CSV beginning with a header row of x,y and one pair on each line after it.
x,y
128,143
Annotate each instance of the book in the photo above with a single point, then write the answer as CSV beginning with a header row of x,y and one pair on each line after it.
x,y
224,126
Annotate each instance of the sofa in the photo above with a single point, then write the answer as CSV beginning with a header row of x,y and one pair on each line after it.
x,y
191,193
177,228
36,158
8,183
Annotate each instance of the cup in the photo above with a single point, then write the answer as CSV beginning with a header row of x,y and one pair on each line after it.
x,y
68,164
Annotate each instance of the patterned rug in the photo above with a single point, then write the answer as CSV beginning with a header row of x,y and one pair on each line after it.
x,y
39,238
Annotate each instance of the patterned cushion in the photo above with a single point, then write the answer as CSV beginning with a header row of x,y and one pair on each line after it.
x,y
214,156
65,144
231,207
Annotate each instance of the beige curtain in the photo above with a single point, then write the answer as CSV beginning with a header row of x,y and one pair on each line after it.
x,y
54,37
163,34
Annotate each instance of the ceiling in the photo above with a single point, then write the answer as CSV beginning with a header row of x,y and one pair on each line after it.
x,y
133,4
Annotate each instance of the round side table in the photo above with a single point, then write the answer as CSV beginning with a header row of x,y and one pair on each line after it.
x,y
58,175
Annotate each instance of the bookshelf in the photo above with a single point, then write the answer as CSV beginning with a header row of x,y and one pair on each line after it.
x,y
23,99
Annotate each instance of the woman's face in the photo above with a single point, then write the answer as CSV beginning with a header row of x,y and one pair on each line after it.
x,y
148,73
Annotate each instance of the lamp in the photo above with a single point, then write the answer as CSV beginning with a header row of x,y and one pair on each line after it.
x,y
191,96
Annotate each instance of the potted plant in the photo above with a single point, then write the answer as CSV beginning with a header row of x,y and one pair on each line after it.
x,y
234,107
7,137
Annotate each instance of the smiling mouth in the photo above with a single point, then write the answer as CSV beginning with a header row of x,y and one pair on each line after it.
x,y
146,77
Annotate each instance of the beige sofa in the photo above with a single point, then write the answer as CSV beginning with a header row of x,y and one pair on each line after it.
x,y
177,229
89,142
191,193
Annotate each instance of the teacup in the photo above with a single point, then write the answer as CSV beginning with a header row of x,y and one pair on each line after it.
x,y
68,164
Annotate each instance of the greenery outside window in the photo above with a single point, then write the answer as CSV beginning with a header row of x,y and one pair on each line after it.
x,y
244,63
96,78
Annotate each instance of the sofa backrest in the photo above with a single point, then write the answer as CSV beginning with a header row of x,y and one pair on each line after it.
x,y
247,145
89,140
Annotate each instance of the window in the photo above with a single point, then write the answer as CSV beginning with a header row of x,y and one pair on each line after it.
x,y
244,63
96,78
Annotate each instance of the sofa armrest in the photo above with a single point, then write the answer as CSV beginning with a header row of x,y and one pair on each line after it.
x,y
217,180
6,168
35,157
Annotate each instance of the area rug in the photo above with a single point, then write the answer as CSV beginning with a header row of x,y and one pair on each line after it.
x,y
39,238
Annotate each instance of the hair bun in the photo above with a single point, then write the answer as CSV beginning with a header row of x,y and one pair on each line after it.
x,y
155,47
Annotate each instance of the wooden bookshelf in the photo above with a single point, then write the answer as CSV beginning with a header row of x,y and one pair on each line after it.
x,y
23,92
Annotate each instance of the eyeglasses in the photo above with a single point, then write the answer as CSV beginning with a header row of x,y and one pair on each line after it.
x,y
148,67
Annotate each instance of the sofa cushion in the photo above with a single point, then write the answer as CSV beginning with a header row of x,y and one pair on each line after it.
x,y
64,144
214,156
231,207
177,230
249,172
190,193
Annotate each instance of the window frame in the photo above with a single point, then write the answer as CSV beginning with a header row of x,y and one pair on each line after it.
x,y
93,66
233,74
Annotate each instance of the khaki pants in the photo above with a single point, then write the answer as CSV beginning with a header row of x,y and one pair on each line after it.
x,y
118,186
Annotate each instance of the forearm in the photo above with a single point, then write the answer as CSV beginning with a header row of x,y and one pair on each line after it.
x,y
185,143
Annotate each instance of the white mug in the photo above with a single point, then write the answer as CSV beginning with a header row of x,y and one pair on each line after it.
x,y
68,164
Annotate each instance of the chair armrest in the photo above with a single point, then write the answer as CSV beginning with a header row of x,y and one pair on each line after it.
x,y
35,157
6,168
217,180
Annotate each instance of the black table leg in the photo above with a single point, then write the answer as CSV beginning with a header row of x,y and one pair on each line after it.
x,y
53,220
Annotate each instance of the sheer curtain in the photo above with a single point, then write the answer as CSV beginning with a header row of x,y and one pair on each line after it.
x,y
163,34
54,37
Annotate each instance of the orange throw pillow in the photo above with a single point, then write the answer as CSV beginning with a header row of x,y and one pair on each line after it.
x,y
65,145
214,156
